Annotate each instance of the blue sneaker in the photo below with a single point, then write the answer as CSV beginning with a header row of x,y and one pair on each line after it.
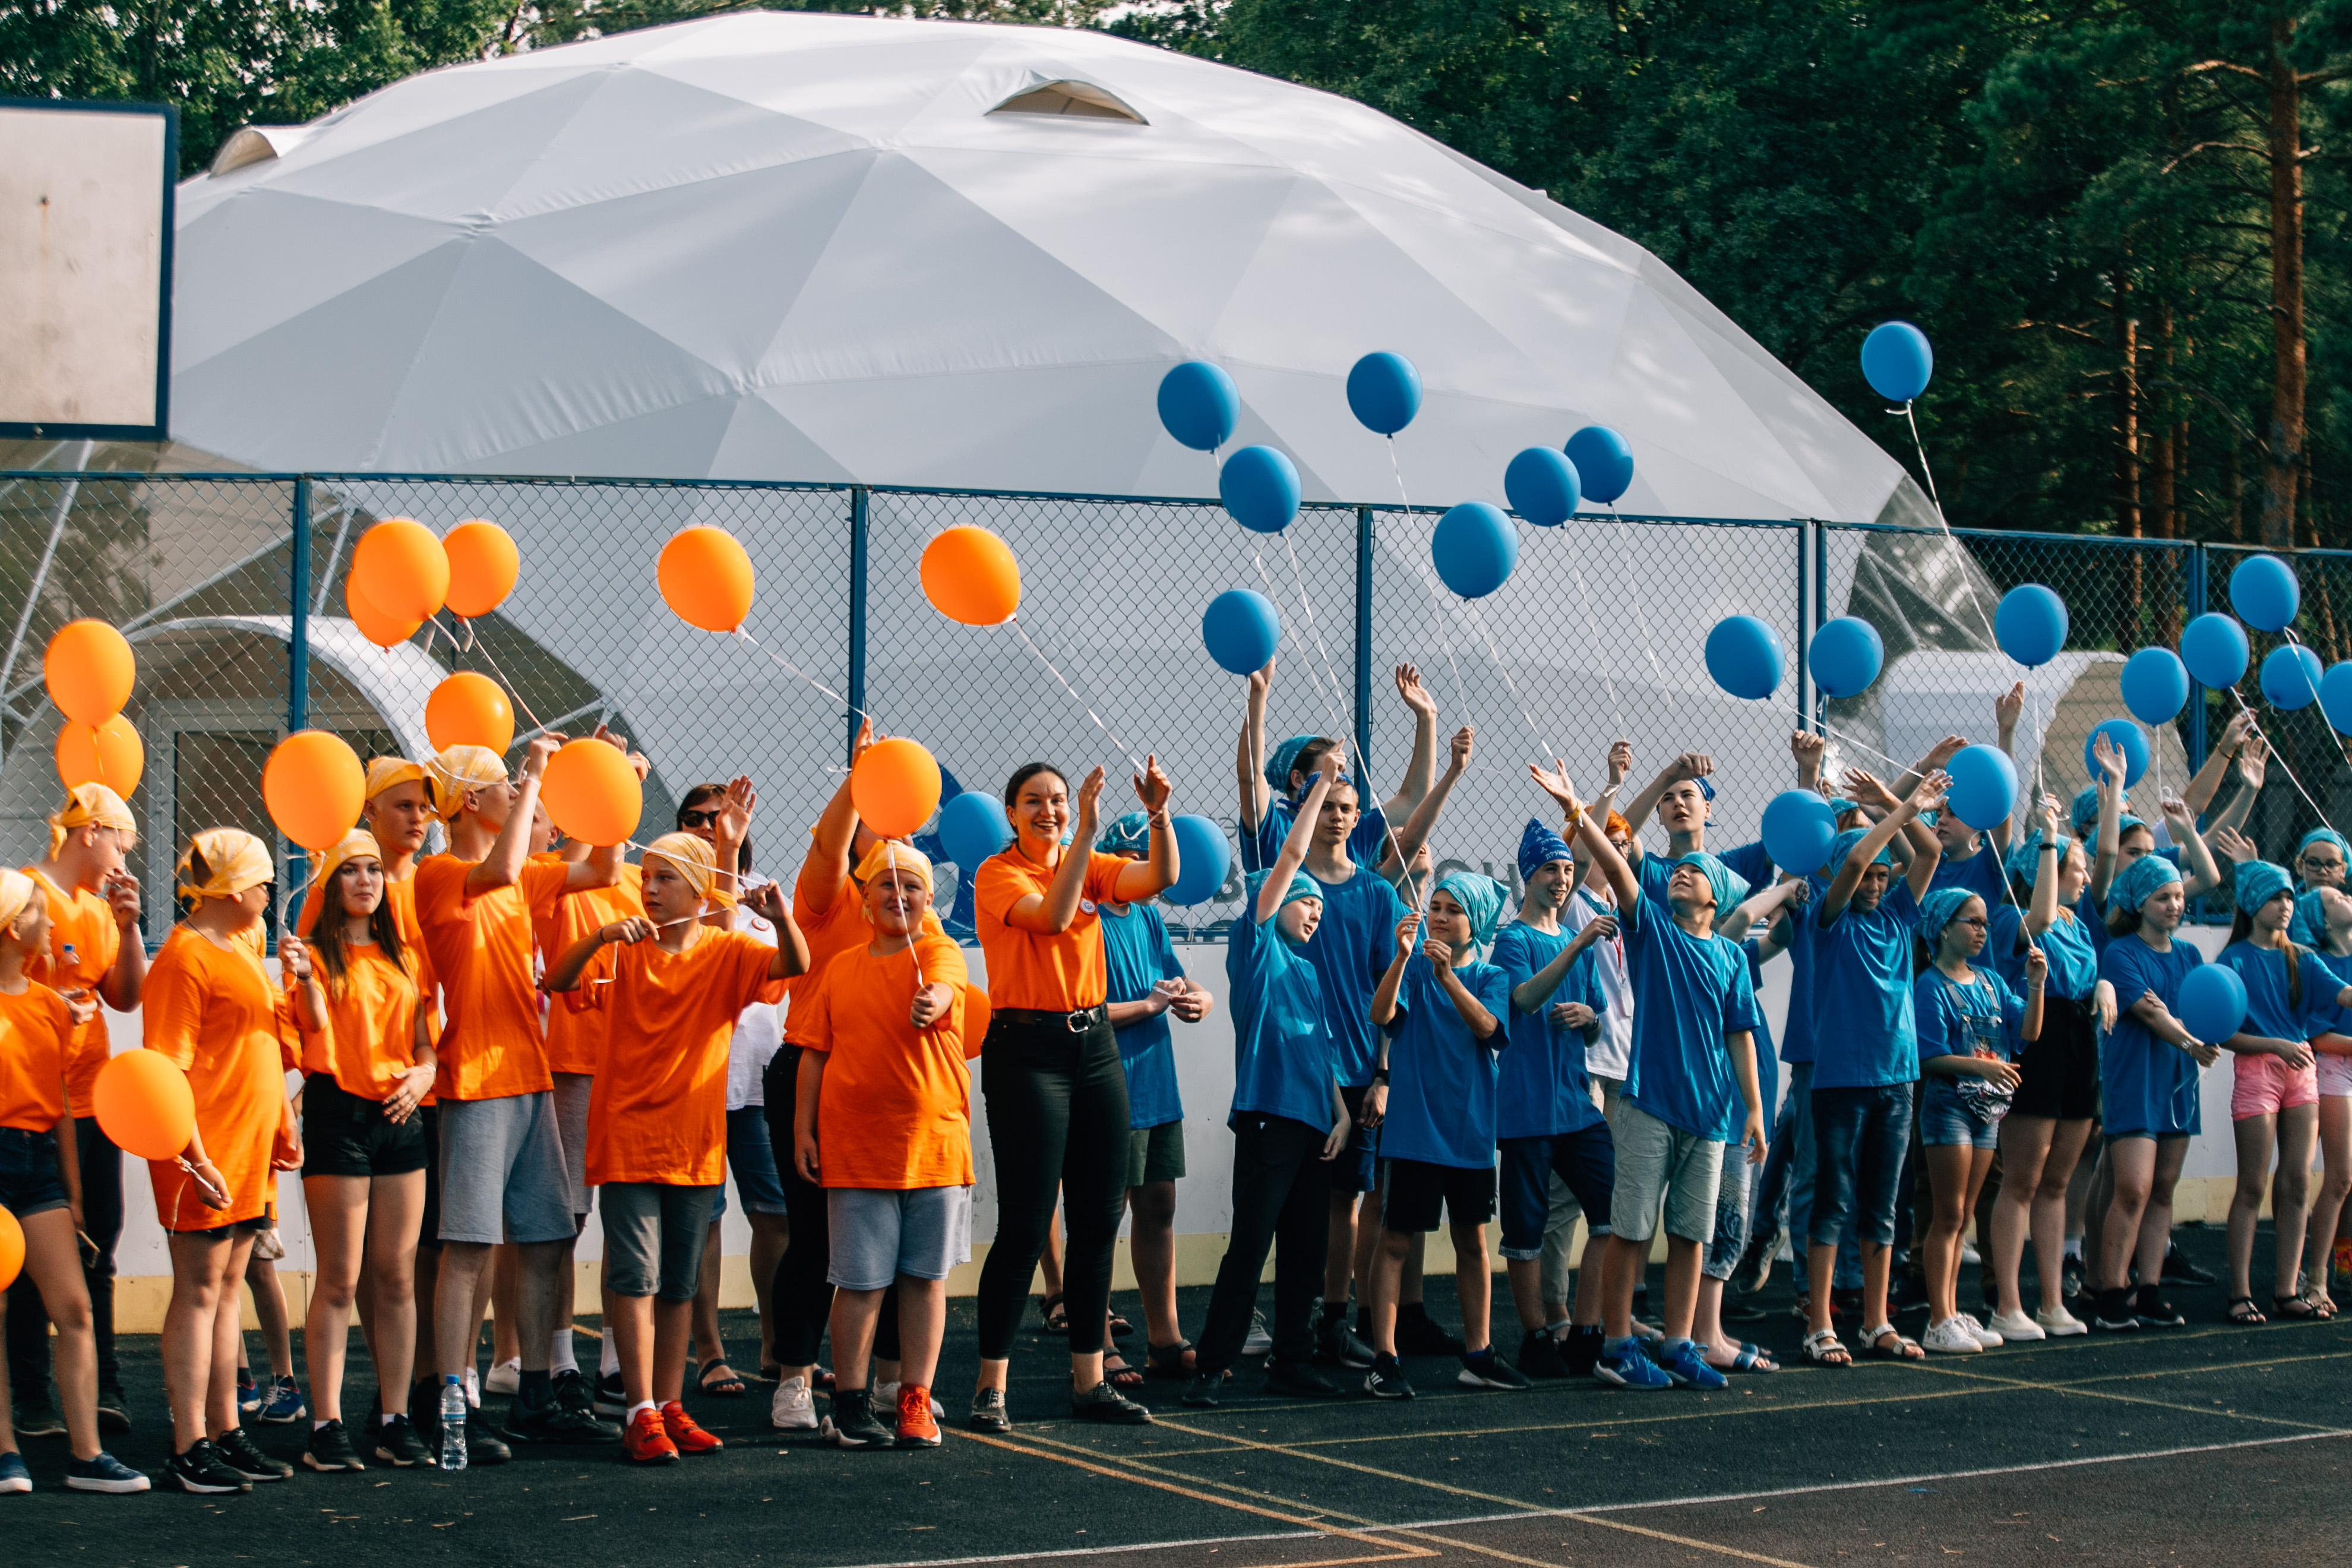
x,y
1684,1366
104,1474
248,1394
281,1405
14,1475
1626,1367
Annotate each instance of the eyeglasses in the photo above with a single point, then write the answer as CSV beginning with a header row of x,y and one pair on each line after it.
x,y
698,819
1977,921
2314,863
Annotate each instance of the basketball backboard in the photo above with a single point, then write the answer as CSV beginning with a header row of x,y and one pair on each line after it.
x,y
86,269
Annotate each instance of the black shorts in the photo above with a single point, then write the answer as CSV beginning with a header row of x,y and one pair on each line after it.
x,y
1412,1191
345,1135
2058,1075
1357,1168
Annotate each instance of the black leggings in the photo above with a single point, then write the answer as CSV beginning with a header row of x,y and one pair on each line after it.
x,y
1056,1121
1281,1199
101,1216
801,1298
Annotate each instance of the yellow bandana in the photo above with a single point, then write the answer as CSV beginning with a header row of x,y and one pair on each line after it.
x,y
456,770
17,890
692,856
237,858
886,855
359,844
382,772
91,803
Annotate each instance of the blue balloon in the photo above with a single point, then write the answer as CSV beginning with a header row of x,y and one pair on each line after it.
x,y
2263,591
1602,462
1845,657
1384,392
1797,829
1203,856
2214,648
1744,656
2030,625
2212,1001
2129,739
2155,684
972,826
2291,676
1474,548
1543,487
2336,696
1241,628
1984,787
1260,488
1199,404
1897,360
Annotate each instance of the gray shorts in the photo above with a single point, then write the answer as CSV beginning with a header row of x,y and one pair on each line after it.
x,y
571,1092
653,1238
1657,1161
1735,1192
502,1170
1155,1153
879,1233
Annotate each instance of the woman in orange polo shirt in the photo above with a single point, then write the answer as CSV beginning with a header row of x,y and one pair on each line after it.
x,y
1057,1094
211,1009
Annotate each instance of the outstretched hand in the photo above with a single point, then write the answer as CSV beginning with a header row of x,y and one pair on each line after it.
x,y
1415,695
1554,782
1153,788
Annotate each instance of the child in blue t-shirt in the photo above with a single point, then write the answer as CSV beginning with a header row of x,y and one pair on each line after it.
x,y
2327,911
1444,1010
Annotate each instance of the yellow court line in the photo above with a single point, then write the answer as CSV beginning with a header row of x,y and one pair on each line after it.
x,y
2018,1386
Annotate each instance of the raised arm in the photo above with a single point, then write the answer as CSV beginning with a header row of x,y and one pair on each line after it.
x,y
1585,828
825,870
1406,840
1160,867
792,955
1806,747
1761,906
2253,766
2005,711
1384,994
1249,755
2205,876
1423,764
2043,912
1689,765
1942,752
1049,913
2207,779
2107,758
502,867
1848,876
1295,844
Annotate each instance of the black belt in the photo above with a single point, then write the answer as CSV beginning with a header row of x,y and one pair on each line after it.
x,y
1077,1023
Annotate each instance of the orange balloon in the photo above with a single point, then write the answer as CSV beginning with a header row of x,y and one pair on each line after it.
x,y
375,625
89,669
470,709
144,1104
12,1248
313,785
978,1014
401,569
706,578
109,754
895,786
483,566
591,793
970,575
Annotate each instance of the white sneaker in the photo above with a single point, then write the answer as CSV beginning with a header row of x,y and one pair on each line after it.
x,y
1951,1336
1259,1341
2017,1326
2058,1323
886,1397
473,1388
792,1410
506,1377
1988,1337
1968,1253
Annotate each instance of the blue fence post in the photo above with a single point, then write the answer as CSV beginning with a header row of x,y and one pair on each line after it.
x,y
1817,719
2193,590
298,670
1364,638
857,502
1804,622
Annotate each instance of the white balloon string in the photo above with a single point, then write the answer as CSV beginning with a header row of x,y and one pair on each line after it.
x,y
1600,654
2279,755
1479,621
1626,547
789,666
1016,624
1272,592
1837,734
1428,582
1992,638
483,649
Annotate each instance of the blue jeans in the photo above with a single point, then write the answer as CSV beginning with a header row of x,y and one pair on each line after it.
x,y
1860,1136
1790,1200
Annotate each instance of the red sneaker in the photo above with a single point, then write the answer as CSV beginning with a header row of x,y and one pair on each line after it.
x,y
646,1443
682,1431
917,1429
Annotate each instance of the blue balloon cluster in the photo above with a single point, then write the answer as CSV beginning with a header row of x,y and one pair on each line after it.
x,y
1984,786
2129,739
2155,685
1845,657
2336,696
1199,404
1603,462
1241,629
2030,625
1744,656
1474,548
1897,360
972,826
1543,487
1260,488
1797,829
2263,591
1203,856
2291,676
2214,648
2212,1001
1384,392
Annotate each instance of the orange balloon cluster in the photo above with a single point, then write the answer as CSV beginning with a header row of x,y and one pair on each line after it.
x,y
314,786
375,625
402,575
970,575
88,669
109,753
12,1248
401,569
470,709
706,578
483,566
591,793
144,1104
895,786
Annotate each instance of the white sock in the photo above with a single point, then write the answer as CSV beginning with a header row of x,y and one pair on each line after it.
x,y
383,1420
611,1363
316,1424
2075,1247
560,1357
640,1404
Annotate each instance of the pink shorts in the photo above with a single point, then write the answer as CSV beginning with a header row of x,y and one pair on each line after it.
x,y
2266,1085
2335,1074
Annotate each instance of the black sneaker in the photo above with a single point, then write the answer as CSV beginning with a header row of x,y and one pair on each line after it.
x,y
1486,1369
1581,1349
853,1425
483,1446
574,1392
1104,1404
1417,1333
114,1409
330,1448
1387,1379
1755,1264
2179,1270
551,1423
1299,1379
1205,1389
1539,1356
38,1420
202,1470
237,1450
398,1445
1909,1295
2155,1312
2114,1313
611,1398
988,1413
1335,1346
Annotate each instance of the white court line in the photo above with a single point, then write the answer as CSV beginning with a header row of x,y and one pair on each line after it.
x,y
1145,1546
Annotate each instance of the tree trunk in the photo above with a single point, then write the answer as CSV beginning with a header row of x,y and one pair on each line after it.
x,y
2287,374
2127,449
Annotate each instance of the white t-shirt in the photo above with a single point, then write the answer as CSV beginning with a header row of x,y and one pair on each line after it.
x,y
1611,1050
760,1028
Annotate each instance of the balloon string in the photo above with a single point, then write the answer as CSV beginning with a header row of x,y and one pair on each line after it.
x,y
2280,754
1626,547
2332,735
1600,654
470,645
1461,699
1478,620
1015,622
1836,733
795,669
1333,709
1992,638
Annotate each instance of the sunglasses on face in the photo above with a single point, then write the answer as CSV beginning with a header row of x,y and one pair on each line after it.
x,y
698,818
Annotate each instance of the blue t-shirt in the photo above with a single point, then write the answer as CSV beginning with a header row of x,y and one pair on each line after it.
x,y
1864,1035
1366,841
2067,945
1804,948
2270,1009
1689,991
1544,1091
1284,1047
2338,975
1350,949
1767,1069
1978,1018
1442,1077
2147,1086
1749,862
1980,874
1138,955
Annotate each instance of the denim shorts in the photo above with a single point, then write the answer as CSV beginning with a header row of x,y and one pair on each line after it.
x,y
1946,1118
751,1158
1859,1138
30,1181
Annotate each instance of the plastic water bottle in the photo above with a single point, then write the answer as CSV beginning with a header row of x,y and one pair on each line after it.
x,y
452,1424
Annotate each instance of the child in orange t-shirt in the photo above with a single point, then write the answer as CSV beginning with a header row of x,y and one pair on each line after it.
x,y
883,1121
658,1116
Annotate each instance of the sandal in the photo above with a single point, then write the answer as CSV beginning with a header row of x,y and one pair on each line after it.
x,y
1901,1350
728,1386
1057,1316
2322,1308
1118,1374
1753,1357
2292,1310
1822,1349
1119,1327
2243,1311
1174,1361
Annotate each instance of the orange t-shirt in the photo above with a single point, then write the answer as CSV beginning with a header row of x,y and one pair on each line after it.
x,y
371,1035
402,897
214,1014
659,1113
83,944
895,1108
491,1043
1049,974
36,1031
829,932
575,1025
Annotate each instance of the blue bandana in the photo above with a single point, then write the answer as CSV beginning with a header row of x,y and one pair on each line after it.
x,y
1728,887
2025,860
1128,835
2136,882
1538,847
1839,805
1842,846
2085,812
1481,899
1936,912
1278,766
2258,882
2322,835
1302,886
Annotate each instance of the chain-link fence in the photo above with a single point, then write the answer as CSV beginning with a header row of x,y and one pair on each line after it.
x,y
232,589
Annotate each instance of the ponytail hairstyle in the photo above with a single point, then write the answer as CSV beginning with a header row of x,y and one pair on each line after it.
x,y
2242,926
1024,774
